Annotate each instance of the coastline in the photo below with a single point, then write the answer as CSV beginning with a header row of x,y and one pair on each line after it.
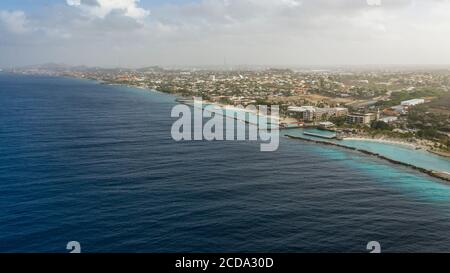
x,y
443,154
234,109
180,96
415,146
441,175
387,141
445,176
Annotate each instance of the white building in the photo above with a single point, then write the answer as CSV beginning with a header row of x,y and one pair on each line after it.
x,y
363,119
389,119
310,113
412,102
307,113
399,109
326,124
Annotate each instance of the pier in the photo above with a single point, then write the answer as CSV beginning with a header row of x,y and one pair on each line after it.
x,y
319,135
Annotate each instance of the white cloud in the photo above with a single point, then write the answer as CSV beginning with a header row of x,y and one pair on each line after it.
x,y
374,2
102,8
15,21
244,31
74,2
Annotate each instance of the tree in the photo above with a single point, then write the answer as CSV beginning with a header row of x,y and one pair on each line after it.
x,y
339,121
428,133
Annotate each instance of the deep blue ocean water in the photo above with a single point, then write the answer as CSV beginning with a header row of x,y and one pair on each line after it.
x,y
96,164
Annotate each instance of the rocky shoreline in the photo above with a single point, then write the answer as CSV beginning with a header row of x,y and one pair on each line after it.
x,y
439,175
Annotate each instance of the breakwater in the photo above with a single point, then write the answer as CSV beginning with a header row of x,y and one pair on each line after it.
x,y
319,135
439,175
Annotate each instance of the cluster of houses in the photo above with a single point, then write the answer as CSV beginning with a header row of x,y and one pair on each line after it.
x,y
403,108
312,114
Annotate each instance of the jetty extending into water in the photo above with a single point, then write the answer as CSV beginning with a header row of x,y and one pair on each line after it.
x,y
440,175
319,135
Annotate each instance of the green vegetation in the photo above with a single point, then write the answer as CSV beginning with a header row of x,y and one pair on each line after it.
x,y
225,100
339,121
441,103
398,97
262,101
374,132
420,117
429,133
432,126
380,125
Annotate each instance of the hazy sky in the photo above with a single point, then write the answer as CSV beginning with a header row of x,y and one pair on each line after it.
x,y
205,32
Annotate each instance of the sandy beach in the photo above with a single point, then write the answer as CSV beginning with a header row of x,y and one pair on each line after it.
x,y
237,109
389,141
444,154
415,146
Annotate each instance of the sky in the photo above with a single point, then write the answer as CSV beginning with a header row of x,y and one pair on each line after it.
x,y
133,33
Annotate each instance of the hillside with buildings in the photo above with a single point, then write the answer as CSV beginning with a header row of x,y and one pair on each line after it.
x,y
411,105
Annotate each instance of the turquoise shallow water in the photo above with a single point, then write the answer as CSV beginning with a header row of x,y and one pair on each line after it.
x,y
401,178
405,154
402,153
